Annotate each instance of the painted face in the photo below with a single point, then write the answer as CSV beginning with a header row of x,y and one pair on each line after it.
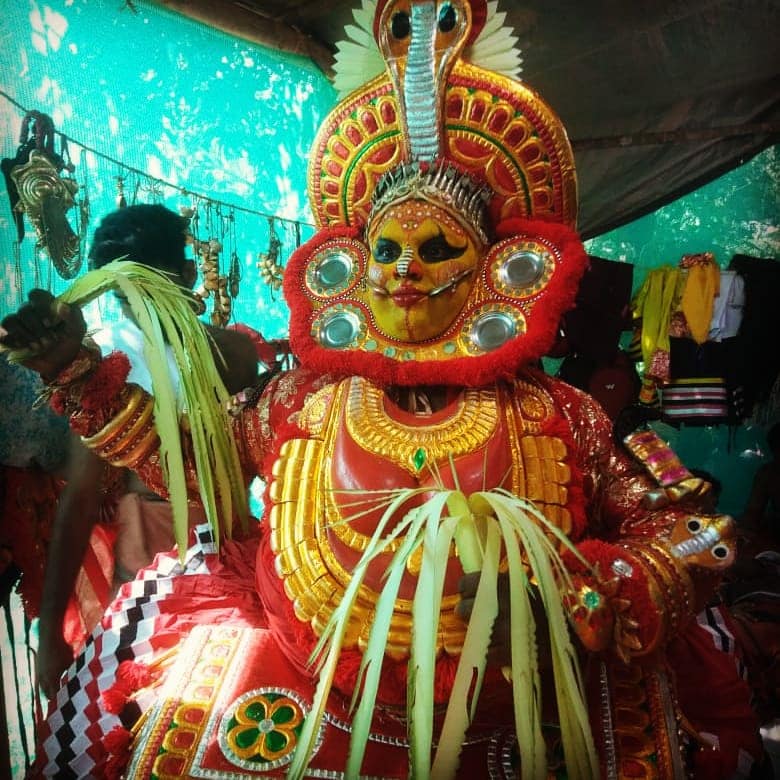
x,y
420,270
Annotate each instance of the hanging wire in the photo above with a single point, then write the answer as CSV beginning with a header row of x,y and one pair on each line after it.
x,y
159,183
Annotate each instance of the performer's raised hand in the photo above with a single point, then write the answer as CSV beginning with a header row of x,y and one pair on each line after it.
x,y
44,334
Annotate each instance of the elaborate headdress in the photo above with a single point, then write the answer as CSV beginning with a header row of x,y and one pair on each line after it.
x,y
435,126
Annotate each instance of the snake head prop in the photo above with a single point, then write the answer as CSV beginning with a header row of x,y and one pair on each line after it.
x,y
704,541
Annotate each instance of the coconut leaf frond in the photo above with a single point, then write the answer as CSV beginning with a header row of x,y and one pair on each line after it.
x,y
163,312
488,527
328,649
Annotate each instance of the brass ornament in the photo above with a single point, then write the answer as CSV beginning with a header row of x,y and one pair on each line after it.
x,y
468,430
214,284
494,128
271,269
46,197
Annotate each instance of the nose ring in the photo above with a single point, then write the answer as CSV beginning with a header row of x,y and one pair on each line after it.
x,y
402,266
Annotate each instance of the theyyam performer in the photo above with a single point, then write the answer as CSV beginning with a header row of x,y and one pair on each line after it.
x,y
458,572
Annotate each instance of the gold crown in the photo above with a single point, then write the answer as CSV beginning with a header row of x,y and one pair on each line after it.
x,y
442,183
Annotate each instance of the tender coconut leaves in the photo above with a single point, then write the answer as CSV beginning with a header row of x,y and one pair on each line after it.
x,y
488,526
163,312
524,529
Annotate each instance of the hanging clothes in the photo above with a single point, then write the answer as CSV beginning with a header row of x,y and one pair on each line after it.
x,y
702,284
697,393
653,305
728,307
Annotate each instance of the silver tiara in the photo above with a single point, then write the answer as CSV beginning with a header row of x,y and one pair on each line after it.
x,y
444,184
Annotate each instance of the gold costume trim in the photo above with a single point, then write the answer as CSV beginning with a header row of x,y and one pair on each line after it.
x,y
673,590
540,472
304,515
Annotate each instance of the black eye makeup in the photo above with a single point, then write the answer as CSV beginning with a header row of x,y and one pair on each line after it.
x,y
386,250
438,249
448,18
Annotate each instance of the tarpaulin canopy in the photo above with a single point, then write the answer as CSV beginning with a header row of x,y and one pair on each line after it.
x,y
658,96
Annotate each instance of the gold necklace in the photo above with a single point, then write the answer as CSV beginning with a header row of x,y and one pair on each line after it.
x,y
468,429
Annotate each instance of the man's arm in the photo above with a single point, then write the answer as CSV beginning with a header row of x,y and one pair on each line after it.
x,y
77,512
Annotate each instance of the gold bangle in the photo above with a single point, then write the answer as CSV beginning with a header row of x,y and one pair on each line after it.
x,y
141,421
115,427
140,450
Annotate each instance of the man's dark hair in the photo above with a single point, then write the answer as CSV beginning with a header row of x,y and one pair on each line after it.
x,y
147,233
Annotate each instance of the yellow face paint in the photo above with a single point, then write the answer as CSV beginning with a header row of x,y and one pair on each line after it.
x,y
420,270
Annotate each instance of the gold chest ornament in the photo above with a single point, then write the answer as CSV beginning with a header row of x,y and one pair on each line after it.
x,y
328,490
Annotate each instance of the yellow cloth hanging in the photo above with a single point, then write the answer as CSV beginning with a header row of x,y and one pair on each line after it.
x,y
653,305
698,298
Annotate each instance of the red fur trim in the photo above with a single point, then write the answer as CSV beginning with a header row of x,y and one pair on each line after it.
x,y
633,588
117,740
114,768
133,675
115,698
57,402
106,383
117,743
502,363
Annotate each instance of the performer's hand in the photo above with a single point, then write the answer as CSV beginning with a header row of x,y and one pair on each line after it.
x,y
55,655
45,333
500,650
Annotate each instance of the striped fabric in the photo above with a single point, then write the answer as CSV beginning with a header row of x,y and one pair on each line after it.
x,y
695,400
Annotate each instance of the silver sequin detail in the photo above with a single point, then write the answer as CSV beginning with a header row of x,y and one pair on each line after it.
x,y
622,568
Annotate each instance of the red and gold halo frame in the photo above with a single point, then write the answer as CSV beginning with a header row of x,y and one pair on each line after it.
x,y
496,129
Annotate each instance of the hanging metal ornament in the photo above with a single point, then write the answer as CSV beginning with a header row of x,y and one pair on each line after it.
x,y
154,190
189,217
271,270
136,188
234,271
234,276
44,195
84,206
213,282
121,201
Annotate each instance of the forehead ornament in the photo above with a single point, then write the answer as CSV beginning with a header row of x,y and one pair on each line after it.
x,y
444,185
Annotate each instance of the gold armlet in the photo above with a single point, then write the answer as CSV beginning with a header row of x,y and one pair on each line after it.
x,y
130,436
674,589
675,482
